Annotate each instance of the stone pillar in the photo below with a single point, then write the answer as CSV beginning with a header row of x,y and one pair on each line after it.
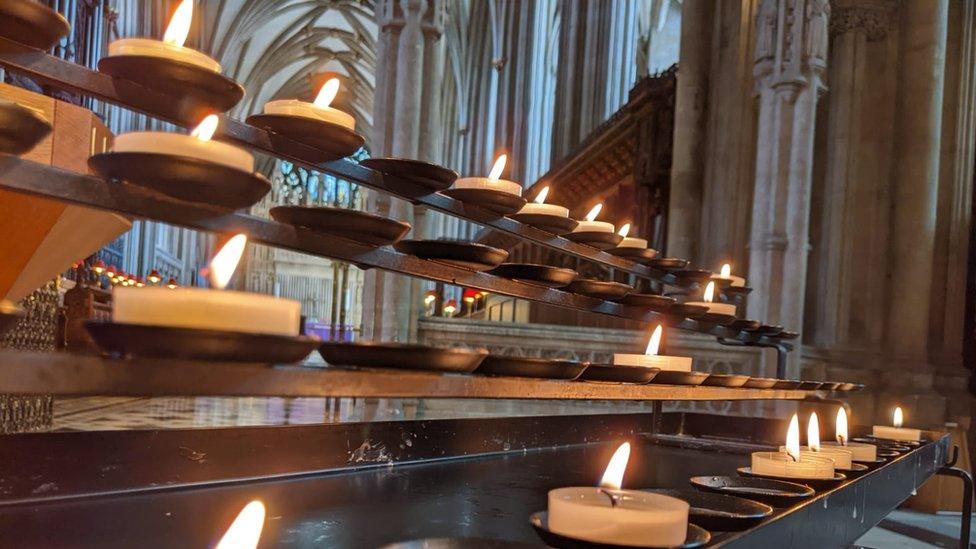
x,y
691,102
791,55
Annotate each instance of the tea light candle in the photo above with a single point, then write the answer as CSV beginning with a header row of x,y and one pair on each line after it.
x,y
725,275
630,241
713,307
791,464
196,145
492,182
621,517
209,309
651,359
590,225
539,207
859,451
842,457
897,432
171,46
316,110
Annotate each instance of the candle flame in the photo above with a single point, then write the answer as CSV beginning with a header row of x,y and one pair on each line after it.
x,y
842,426
654,343
179,25
726,270
613,477
595,211
709,294
625,230
245,531
541,197
224,263
813,433
793,439
206,129
498,167
327,93
898,417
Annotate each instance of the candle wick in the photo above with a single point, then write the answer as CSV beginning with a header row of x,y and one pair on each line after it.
x,y
613,499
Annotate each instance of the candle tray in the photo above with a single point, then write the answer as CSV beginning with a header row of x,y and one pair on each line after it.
x,y
640,255
787,384
406,356
330,141
543,275
745,325
422,178
760,383
467,255
672,377
684,310
618,373
183,178
887,454
788,335
354,225
693,275
872,465
651,301
725,380
733,292
600,289
143,341
720,512
597,239
856,470
716,318
815,483
769,330
498,202
201,90
697,536
555,224
809,385
10,315
900,446
459,543
777,493
547,368
32,24
667,263
21,129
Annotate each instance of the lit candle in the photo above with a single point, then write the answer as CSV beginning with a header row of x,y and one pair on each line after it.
x,y
651,359
493,182
590,225
245,531
713,307
859,451
726,275
209,309
842,457
539,207
897,432
630,241
316,110
791,463
171,46
198,145
621,517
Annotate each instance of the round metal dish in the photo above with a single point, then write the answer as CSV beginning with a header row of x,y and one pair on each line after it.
x,y
725,380
745,325
545,275
617,373
600,289
330,141
716,318
136,340
199,89
597,239
774,492
809,385
736,291
359,226
184,178
768,330
815,483
720,512
787,384
667,263
498,202
555,224
21,129
760,383
671,377
887,454
693,275
10,315
697,536
687,311
459,543
788,335
872,464
515,366
405,356
424,178
856,470
640,255
32,24
652,301
467,255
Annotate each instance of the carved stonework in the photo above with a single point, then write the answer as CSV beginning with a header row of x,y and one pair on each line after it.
x,y
789,54
873,20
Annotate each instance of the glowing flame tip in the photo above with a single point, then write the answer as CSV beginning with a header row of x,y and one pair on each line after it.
x,y
327,93
793,439
813,433
842,426
245,531
898,417
498,167
726,270
541,197
625,230
179,25
206,129
613,477
225,261
709,294
595,211
654,343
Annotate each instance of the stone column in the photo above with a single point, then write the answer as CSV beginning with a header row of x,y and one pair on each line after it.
x,y
791,55
687,168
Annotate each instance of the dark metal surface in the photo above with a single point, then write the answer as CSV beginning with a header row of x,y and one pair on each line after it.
x,y
197,88
354,225
549,368
545,275
600,289
332,140
32,23
408,356
496,202
430,177
466,255
618,373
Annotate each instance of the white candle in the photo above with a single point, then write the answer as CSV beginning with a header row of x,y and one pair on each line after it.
x,y
171,46
713,307
590,225
208,309
615,516
196,145
841,457
539,207
650,358
897,432
492,182
316,110
726,275
791,463
630,241
859,451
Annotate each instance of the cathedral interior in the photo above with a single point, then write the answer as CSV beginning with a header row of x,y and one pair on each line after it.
x,y
824,150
